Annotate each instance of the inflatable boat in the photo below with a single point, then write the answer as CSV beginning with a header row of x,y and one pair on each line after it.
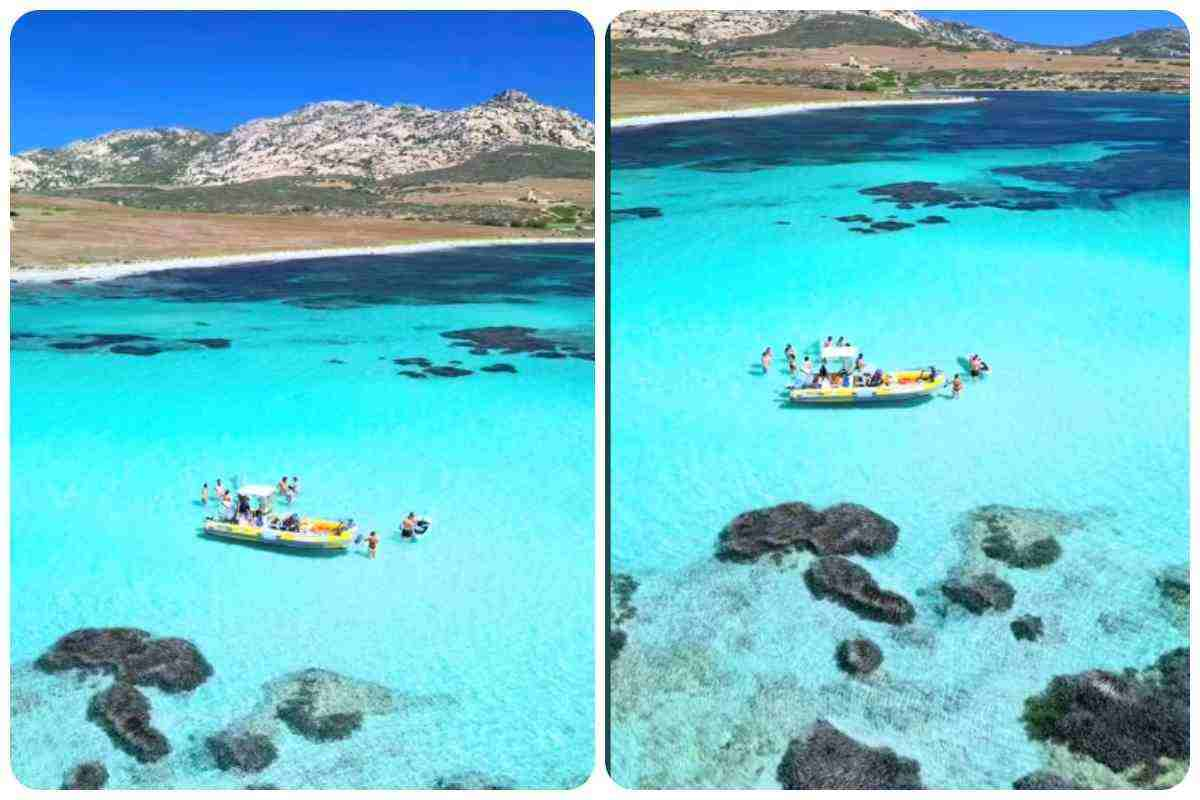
x,y
902,386
295,532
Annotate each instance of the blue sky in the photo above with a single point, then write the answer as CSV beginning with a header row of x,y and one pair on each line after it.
x,y
1061,27
76,75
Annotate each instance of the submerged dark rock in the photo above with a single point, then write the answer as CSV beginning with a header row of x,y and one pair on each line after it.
x,y
334,361
829,759
840,529
88,775
1025,538
92,341
859,656
549,354
211,343
1027,627
891,225
447,372
130,654
979,593
854,218
1043,779
242,751
410,373
623,588
412,361
862,230
616,643
498,368
911,192
852,587
507,338
474,780
135,350
933,219
635,212
1121,720
324,706
124,714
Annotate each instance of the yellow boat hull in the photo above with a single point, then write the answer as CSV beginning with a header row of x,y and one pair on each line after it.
x,y
314,534
906,388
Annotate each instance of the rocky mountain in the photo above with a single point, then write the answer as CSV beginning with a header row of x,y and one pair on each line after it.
x,y
1151,43
331,138
813,28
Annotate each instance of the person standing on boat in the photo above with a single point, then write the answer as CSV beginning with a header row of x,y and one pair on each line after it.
x,y
294,486
767,358
806,369
221,490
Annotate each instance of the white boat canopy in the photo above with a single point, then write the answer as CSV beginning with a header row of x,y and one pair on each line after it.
x,y
845,351
256,490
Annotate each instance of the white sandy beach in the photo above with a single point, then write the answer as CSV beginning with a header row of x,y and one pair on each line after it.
x,y
785,108
102,272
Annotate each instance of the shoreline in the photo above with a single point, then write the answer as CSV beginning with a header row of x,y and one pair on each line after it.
x,y
109,271
783,108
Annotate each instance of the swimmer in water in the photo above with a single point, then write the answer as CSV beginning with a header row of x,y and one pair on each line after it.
x,y
767,358
956,386
204,494
372,543
789,351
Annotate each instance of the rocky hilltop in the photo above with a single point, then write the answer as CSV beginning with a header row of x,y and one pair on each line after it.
x,y
357,139
874,27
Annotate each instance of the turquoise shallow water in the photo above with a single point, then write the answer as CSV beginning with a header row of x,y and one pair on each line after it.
x,y
1073,284
485,624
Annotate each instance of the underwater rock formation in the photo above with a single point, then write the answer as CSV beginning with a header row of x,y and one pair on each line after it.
x,y
1122,720
623,588
131,655
1026,538
323,706
88,775
124,714
933,219
840,529
241,750
854,218
474,780
636,212
213,343
891,225
1043,779
852,587
498,368
859,656
829,759
979,593
447,372
1027,627
1174,583
506,338
412,361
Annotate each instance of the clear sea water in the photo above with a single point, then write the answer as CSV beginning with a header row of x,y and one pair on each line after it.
x,y
1073,286
486,623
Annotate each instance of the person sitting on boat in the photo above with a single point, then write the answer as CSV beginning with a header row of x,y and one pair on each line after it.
x,y
841,340
928,374
823,372
806,367
859,363
828,341
227,507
